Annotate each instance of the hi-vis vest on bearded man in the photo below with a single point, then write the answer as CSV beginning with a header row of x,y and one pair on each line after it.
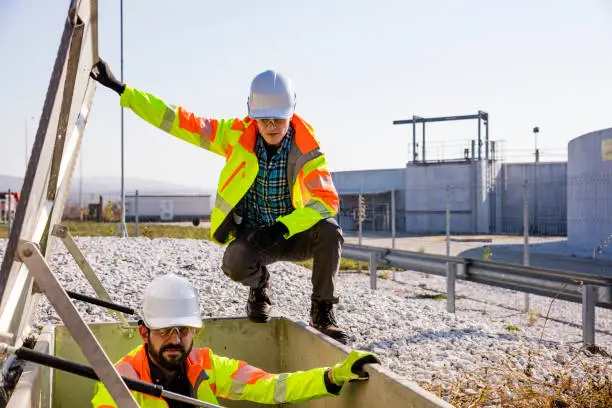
x,y
213,376
313,194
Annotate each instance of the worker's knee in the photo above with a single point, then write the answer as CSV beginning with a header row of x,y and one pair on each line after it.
x,y
239,262
328,231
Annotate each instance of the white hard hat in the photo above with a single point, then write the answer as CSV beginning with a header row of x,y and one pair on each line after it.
x,y
271,96
169,301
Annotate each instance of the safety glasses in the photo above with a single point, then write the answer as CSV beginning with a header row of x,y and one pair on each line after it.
x,y
182,331
271,122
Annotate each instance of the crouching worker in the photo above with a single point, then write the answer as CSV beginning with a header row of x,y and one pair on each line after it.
x,y
170,318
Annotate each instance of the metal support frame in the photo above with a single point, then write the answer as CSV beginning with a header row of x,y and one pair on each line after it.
x,y
481,116
30,254
62,232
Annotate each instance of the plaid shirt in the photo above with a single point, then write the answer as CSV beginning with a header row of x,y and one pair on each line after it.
x,y
270,196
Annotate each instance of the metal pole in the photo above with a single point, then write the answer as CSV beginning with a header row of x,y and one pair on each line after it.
x,y
122,227
526,234
83,370
473,149
373,269
589,299
62,232
451,277
486,124
46,280
359,218
479,140
359,227
423,158
136,209
393,225
448,220
414,148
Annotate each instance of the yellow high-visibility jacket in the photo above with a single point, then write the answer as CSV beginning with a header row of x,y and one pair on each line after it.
x,y
213,376
313,193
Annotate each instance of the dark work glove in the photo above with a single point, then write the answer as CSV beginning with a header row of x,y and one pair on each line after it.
x,y
102,73
267,237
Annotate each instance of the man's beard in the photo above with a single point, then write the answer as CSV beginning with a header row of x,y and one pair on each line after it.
x,y
171,363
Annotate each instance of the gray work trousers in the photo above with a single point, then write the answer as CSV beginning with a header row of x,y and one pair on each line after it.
x,y
246,264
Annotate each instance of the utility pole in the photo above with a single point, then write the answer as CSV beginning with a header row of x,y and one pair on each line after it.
x,y
536,130
122,230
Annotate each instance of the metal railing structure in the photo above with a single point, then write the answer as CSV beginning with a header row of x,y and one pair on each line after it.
x,y
589,289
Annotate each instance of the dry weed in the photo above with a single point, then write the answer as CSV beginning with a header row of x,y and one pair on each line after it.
x,y
577,378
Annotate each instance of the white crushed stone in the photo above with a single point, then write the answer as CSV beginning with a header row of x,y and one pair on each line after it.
x,y
414,337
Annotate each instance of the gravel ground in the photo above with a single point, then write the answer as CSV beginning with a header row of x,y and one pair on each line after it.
x,y
414,336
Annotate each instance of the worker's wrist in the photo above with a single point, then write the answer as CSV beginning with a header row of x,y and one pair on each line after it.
x,y
330,385
118,87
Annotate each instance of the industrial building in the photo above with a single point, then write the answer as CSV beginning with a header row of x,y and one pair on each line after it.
x,y
154,207
488,196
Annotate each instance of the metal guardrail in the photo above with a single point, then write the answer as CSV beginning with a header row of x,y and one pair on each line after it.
x,y
589,289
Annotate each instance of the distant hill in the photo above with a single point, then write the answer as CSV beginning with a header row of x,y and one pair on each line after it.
x,y
110,187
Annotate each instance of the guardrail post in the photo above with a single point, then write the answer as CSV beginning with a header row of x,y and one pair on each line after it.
x,y
373,269
451,277
589,298
136,212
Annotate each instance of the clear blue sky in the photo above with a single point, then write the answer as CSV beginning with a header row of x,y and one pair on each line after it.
x,y
356,66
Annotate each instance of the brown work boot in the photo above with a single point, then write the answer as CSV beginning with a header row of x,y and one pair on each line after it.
x,y
259,305
322,318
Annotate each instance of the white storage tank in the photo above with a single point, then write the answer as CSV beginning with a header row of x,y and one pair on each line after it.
x,y
589,190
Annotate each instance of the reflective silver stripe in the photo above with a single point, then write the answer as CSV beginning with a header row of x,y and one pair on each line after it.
x,y
244,373
168,120
223,205
237,388
280,388
302,160
319,207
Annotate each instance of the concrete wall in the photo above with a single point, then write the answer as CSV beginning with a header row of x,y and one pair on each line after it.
x,y
547,197
420,197
376,186
589,195
425,194
368,181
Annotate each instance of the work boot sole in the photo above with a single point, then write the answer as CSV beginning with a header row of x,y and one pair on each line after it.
x,y
338,335
257,316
